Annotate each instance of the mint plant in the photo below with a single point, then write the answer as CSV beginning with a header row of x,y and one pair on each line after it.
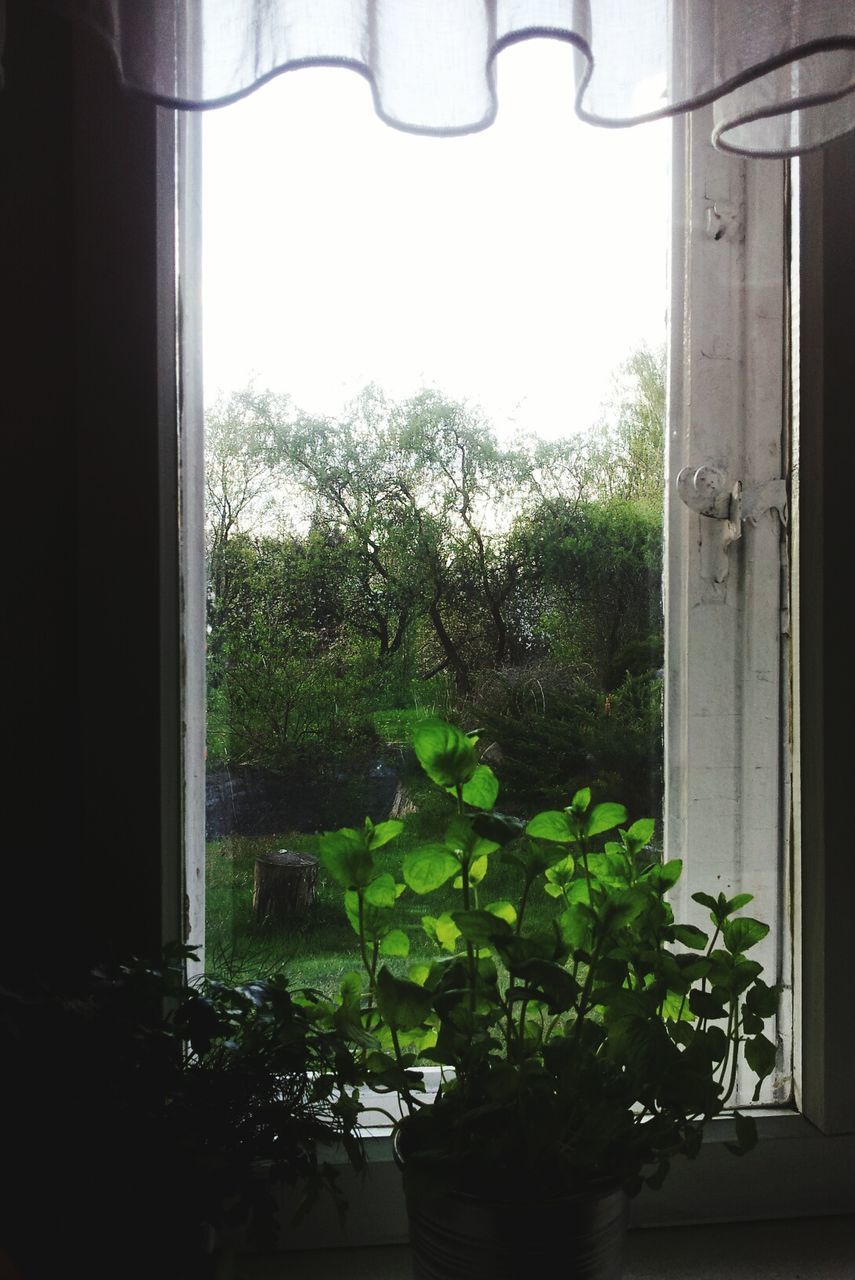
x,y
591,1041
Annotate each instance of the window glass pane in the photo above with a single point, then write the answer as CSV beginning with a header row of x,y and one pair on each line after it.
x,y
434,375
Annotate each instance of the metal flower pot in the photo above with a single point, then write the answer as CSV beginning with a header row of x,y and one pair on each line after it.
x,y
460,1235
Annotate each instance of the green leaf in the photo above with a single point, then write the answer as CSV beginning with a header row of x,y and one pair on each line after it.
x,y
717,1043
504,910
619,1002
675,1006
622,906
498,828
609,868
395,943
384,832
482,788
402,1004
459,834
733,973
429,926
546,981
552,824
721,907
477,871
351,988
603,817
480,927
752,1023
377,1062
743,933
664,875
692,967
345,857
374,920
419,973
760,1054
707,1005
446,755
561,872
382,891
641,833
427,868
690,936
347,1017
578,892
351,908
762,999
581,800
575,924
447,931
345,1021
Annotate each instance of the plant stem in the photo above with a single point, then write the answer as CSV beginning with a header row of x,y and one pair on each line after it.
x,y
549,1030
363,947
405,1093
586,990
470,950
523,1007
734,1041
584,854
509,1027
529,881
707,955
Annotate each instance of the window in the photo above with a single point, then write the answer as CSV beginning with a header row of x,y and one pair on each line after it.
x,y
730,693
726,687
130,799
434,497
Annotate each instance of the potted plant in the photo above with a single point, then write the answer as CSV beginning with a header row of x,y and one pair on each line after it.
x,y
149,1120
581,1048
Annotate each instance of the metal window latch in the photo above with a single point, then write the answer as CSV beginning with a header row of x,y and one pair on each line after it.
x,y
708,491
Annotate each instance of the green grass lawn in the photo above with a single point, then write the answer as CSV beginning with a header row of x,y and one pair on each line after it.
x,y
323,948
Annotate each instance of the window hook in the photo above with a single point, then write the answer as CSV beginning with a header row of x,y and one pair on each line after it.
x,y
708,491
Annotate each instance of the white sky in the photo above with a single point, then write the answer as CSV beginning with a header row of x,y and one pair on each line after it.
x,y
515,268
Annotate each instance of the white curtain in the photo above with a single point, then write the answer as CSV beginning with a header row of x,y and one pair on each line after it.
x,y
781,72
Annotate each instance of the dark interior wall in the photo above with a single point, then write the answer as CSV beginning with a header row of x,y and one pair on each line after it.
x,y
81,598
826,366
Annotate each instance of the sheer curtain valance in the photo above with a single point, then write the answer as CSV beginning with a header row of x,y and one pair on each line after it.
x,y
780,72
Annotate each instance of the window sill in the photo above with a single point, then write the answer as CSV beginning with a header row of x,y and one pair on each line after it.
x,y
795,1173
807,1249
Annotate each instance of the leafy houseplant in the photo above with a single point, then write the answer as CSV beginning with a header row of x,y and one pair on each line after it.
x,y
160,1113
584,1043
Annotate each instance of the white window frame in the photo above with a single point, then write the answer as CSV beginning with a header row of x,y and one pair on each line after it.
x,y
727,621
729,677
187,214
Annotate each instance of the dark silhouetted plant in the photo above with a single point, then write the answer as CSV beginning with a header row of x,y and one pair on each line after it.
x,y
593,1043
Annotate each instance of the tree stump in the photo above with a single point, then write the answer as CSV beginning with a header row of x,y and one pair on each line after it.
x,y
284,885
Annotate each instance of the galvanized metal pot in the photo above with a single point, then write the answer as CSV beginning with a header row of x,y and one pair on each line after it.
x,y
460,1235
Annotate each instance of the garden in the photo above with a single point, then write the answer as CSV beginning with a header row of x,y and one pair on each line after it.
x,y
405,562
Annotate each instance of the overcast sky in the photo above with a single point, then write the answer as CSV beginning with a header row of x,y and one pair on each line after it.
x,y
515,268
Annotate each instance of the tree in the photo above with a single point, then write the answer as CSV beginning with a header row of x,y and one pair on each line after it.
x,y
472,486
628,451
348,555
242,490
594,579
414,493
